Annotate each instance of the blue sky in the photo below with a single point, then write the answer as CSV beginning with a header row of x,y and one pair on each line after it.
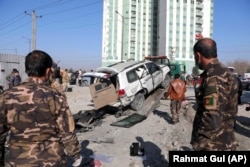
x,y
71,30
232,29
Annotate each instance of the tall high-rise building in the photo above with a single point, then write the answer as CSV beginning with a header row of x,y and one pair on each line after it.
x,y
133,29
181,23
129,30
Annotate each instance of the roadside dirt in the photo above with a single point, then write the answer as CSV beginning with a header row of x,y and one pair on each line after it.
x,y
109,146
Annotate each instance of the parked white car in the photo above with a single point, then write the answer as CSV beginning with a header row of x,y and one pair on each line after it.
x,y
128,83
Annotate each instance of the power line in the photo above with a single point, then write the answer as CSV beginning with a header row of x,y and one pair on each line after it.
x,y
65,10
11,21
70,19
16,18
6,33
53,4
49,5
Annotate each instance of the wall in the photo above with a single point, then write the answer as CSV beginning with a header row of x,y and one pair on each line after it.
x,y
7,63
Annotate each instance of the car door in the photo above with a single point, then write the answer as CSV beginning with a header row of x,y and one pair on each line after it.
x,y
145,78
156,74
103,93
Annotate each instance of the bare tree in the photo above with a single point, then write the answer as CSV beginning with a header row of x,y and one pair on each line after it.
x,y
241,66
248,70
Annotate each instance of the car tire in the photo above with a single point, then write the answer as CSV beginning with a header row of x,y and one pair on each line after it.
x,y
138,102
165,83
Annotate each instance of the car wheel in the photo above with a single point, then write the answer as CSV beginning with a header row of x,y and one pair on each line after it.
x,y
165,83
138,102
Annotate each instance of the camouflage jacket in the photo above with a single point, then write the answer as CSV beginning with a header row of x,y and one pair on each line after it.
x,y
41,125
216,97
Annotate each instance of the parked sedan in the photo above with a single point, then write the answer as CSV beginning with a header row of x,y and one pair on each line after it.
x,y
245,83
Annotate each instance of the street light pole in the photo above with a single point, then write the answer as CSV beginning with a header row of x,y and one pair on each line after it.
x,y
29,41
122,34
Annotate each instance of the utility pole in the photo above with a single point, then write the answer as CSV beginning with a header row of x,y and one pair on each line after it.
x,y
33,28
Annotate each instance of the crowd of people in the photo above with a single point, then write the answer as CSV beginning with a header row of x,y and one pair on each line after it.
x,y
62,77
37,118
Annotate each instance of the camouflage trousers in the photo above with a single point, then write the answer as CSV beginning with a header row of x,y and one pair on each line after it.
x,y
175,106
45,154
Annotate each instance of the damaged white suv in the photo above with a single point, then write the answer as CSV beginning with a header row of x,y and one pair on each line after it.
x,y
127,83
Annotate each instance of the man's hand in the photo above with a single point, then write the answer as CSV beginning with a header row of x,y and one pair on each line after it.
x,y
166,95
77,162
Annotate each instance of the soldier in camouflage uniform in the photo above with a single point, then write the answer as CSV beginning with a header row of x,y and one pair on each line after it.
x,y
41,126
216,97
